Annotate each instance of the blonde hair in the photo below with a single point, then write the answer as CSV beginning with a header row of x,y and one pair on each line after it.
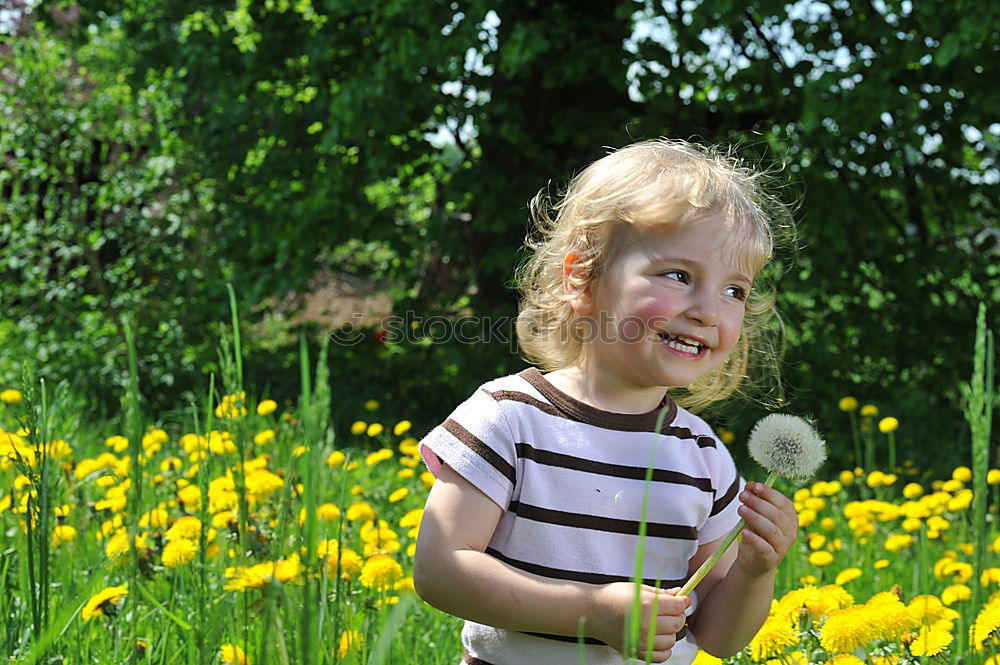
x,y
643,185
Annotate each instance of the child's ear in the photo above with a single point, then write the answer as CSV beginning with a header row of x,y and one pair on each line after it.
x,y
575,284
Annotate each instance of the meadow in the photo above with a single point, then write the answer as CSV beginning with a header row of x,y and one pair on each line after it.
x,y
240,531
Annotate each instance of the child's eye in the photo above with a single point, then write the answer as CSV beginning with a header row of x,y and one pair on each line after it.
x,y
678,275
736,292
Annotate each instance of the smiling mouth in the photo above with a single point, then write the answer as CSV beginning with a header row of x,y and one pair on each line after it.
x,y
683,344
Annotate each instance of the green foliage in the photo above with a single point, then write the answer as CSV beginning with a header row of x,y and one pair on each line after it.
x,y
102,220
251,140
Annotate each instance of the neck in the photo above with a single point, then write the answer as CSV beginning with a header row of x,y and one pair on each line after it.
x,y
608,394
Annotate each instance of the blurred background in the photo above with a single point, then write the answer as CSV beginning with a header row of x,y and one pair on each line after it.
x,y
340,162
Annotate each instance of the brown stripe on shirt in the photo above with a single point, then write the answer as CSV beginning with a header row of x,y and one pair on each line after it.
x,y
481,449
724,500
577,575
561,460
597,523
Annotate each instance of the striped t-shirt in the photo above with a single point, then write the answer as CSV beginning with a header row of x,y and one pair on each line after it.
x,y
570,479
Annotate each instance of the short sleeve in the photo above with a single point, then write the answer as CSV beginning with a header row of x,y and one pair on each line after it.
x,y
477,443
726,485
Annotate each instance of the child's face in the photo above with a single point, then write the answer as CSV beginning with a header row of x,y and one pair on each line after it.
x,y
669,306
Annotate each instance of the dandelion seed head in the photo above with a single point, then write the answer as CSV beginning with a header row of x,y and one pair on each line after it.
x,y
787,445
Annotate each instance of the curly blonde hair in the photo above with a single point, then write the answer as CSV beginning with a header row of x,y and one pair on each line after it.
x,y
643,185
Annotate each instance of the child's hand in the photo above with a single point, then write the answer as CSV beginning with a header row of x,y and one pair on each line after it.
x,y
614,604
772,525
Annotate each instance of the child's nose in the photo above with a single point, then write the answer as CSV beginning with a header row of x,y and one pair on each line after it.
x,y
704,308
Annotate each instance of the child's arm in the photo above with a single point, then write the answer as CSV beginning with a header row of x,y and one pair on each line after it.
x,y
735,597
453,573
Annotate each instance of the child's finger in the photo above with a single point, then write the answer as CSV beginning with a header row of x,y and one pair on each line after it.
x,y
670,605
669,624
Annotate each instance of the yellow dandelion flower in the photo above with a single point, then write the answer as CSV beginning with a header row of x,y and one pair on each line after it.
x,y
286,571
881,563
402,427
378,456
328,512
845,659
117,443
821,558
412,518
232,654
848,404
266,407
103,603
898,541
382,533
846,630
62,533
262,482
887,425
847,575
869,411
374,429
190,496
705,658
993,477
405,474
264,437
381,547
930,641
351,562
117,546
815,503
955,593
806,517
335,459
774,637
846,477
795,600
360,512
962,474
179,552
928,609
986,627
912,490
409,446
990,576
827,599
350,640
398,495
960,501
816,541
186,528
890,617
10,396
359,427
427,479
380,571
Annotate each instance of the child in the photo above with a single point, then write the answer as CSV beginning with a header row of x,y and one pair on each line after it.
x,y
642,283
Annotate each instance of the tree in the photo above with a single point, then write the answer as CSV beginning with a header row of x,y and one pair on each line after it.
x,y
423,129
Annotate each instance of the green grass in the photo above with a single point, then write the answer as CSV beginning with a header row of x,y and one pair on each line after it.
x,y
260,500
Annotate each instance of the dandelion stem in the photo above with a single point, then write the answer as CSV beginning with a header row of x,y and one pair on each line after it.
x,y
892,452
699,574
858,459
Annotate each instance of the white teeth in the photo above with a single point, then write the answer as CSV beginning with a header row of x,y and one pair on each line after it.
x,y
681,343
681,346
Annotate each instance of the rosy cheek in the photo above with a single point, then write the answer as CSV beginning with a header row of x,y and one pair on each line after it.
x,y
655,314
